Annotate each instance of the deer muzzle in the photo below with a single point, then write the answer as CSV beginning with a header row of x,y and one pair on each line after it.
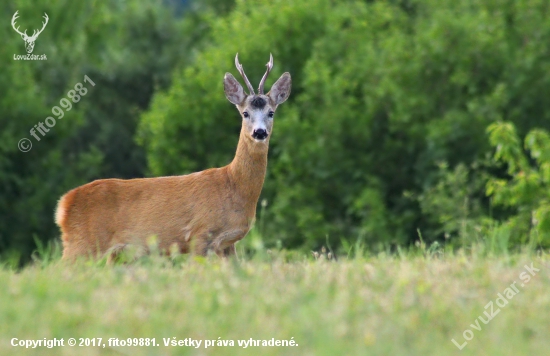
x,y
259,134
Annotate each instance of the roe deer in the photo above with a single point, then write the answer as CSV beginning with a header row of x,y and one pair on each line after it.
x,y
199,212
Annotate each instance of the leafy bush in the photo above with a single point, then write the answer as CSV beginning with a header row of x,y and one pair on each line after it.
x,y
527,192
384,134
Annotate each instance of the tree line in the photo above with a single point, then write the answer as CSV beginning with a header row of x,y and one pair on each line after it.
x,y
408,119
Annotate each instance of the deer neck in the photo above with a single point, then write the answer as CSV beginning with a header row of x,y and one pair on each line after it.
x,y
248,168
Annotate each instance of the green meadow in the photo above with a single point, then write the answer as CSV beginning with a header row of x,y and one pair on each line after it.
x,y
412,303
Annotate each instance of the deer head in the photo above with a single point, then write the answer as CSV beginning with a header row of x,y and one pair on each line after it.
x,y
29,40
257,110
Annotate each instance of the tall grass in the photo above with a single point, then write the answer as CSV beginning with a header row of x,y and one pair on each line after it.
x,y
407,302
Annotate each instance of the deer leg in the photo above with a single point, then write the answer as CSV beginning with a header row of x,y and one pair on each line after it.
x,y
224,244
229,251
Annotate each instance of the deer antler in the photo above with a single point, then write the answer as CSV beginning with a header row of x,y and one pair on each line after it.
x,y
241,70
13,25
43,26
269,65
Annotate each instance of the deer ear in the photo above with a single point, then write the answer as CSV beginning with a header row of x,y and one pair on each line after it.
x,y
281,89
233,90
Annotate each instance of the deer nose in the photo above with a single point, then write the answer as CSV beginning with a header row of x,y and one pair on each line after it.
x,y
259,134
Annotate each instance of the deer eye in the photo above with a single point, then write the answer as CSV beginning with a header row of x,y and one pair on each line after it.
x,y
271,113
245,114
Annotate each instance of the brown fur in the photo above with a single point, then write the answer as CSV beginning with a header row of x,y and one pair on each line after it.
x,y
208,210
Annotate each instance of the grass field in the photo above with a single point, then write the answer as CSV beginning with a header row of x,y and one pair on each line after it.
x,y
412,304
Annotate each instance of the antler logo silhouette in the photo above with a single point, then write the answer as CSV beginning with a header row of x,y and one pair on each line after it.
x,y
29,40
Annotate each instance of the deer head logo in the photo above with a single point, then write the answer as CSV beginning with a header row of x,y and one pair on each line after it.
x,y
29,40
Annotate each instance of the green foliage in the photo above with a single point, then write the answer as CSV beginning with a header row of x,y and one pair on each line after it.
x,y
384,134
454,206
382,91
527,192
31,182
